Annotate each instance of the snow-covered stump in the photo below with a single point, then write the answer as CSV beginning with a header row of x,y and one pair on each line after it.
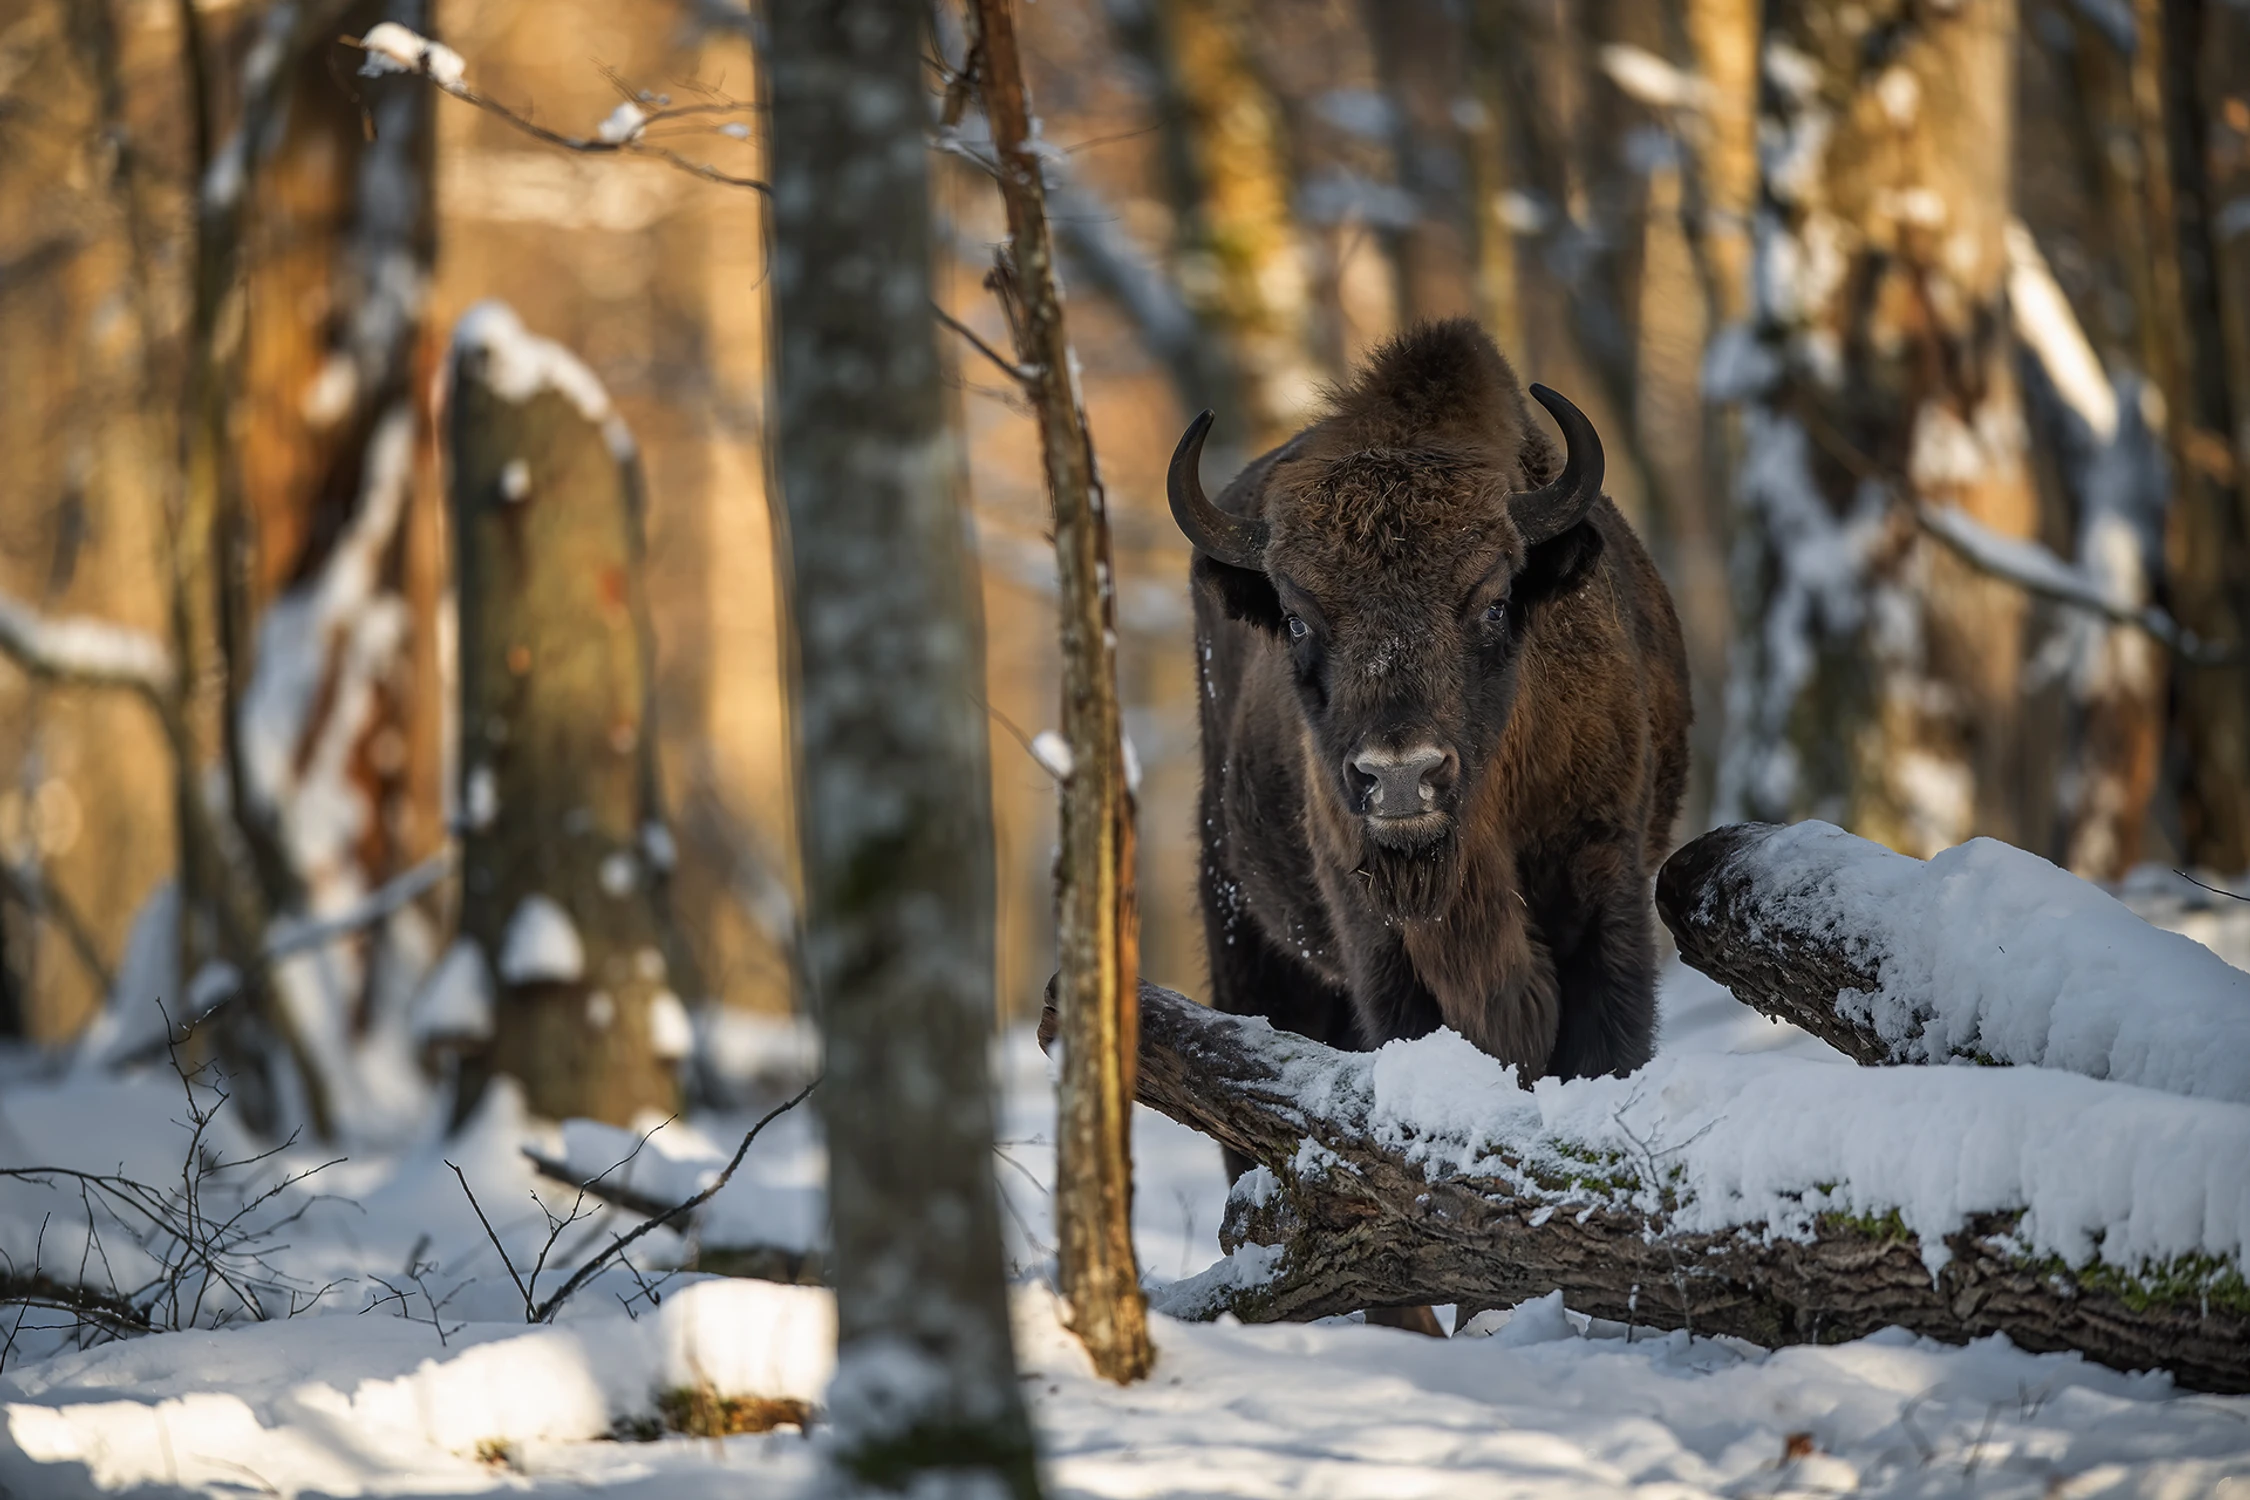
x,y
1984,953
564,848
1771,1199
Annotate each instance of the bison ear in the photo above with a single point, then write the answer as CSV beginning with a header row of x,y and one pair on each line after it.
x,y
1556,566
1244,593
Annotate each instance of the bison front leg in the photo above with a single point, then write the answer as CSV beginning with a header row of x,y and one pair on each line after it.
x,y
1603,939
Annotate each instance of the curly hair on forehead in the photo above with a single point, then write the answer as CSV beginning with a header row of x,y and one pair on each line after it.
x,y
1440,386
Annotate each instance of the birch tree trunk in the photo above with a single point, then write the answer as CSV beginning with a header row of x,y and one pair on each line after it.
x,y
558,888
892,784
1098,927
1876,677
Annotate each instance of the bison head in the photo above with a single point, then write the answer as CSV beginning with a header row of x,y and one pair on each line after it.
x,y
1398,552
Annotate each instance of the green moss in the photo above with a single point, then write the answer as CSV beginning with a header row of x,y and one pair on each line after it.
x,y
1885,1228
2197,1281
1572,1168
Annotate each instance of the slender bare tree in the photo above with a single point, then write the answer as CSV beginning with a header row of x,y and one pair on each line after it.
x,y
1098,926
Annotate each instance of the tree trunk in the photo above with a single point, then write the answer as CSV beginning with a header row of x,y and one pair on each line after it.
x,y
561,831
892,784
1240,261
1098,918
1421,54
84,788
2209,541
1876,676
1343,1217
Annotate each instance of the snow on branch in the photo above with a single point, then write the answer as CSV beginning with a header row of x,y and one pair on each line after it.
x,y
1985,953
392,48
2034,569
75,649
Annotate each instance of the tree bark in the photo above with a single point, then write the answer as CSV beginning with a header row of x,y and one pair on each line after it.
x,y
338,262
1421,55
1753,905
555,726
1097,909
2208,544
1876,677
1241,263
892,784
1349,1221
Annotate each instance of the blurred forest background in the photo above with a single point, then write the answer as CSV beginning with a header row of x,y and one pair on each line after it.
x,y
1918,331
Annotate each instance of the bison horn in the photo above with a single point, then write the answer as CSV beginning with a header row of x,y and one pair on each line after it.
x,y
1235,540
1547,512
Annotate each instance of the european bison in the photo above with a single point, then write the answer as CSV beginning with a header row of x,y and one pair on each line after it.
x,y
1445,710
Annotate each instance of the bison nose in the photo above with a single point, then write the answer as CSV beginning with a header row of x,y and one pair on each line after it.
x,y
1401,783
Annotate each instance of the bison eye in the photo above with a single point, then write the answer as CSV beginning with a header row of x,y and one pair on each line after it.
x,y
1298,629
1496,613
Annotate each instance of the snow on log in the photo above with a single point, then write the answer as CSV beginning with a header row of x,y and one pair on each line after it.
x,y
1773,1199
1984,953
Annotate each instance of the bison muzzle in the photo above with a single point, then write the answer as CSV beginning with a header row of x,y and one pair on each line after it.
x,y
1444,707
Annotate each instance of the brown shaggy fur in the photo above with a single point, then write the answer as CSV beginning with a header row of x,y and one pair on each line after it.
x,y
1555,674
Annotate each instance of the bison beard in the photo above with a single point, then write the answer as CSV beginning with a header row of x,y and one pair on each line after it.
x,y
1420,579
1411,885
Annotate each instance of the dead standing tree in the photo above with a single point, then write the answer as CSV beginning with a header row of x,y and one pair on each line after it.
x,y
564,846
892,783
1098,941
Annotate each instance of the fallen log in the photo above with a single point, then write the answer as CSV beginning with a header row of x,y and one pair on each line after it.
x,y
1423,1174
1984,953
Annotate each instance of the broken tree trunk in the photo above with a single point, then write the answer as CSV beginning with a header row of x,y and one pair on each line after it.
x,y
1098,916
563,845
1983,954
1356,1207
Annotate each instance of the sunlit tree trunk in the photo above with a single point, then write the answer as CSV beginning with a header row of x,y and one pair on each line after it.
x,y
1240,262
563,847
1097,938
1877,677
893,789
84,786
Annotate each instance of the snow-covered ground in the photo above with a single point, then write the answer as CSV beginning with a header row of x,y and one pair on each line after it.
x,y
429,1382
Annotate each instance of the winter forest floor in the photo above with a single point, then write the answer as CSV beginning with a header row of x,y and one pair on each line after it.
x,y
428,1382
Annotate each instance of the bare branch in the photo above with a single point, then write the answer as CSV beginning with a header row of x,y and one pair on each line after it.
x,y
2035,570
392,49
393,895
678,1213
28,889
79,650
1008,367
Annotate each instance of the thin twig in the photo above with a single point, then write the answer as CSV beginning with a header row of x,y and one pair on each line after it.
x,y
1008,367
37,896
492,1235
586,1272
2215,890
